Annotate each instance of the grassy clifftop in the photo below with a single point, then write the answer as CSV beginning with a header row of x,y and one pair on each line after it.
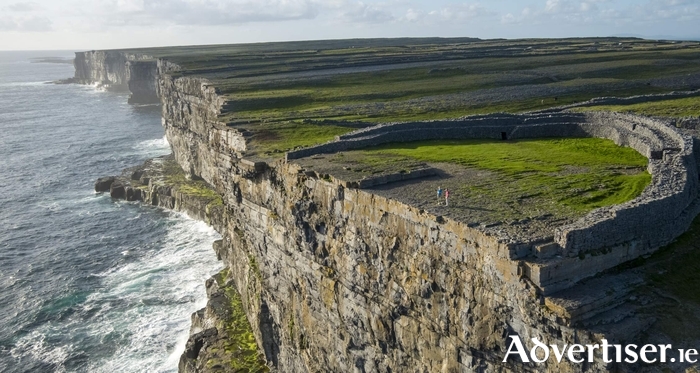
x,y
324,88
495,181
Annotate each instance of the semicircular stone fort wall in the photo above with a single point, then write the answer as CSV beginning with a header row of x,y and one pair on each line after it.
x,y
662,212
333,277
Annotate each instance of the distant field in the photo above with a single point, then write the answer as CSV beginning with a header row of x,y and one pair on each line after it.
x,y
679,108
275,89
456,88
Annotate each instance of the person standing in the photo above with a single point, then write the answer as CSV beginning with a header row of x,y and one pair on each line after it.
x,y
447,196
439,194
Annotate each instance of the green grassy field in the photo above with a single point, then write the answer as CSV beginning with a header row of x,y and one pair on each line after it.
x,y
274,139
576,174
274,87
395,94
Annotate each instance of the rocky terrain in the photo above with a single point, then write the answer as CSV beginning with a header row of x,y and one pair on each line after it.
x,y
332,277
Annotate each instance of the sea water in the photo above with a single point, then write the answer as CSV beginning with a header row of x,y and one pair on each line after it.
x,y
87,283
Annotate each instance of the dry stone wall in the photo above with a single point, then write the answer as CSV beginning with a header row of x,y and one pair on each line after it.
x,y
627,100
334,278
637,227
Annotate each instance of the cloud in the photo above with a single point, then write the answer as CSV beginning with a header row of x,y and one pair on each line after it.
x,y
508,18
22,7
387,17
658,11
25,24
365,13
451,14
192,12
130,6
610,12
678,2
413,15
24,17
463,12
36,24
569,11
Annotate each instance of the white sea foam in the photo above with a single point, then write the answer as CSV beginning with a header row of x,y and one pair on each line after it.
x,y
163,289
141,311
62,310
51,206
153,148
98,87
35,345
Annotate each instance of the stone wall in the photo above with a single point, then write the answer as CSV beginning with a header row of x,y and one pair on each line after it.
x,y
337,278
377,180
598,101
635,228
340,279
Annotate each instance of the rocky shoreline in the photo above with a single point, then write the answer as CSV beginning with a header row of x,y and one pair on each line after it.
x,y
221,339
330,277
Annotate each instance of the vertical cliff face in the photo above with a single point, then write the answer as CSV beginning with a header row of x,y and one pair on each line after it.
x,y
190,117
333,278
119,71
341,279
142,81
102,67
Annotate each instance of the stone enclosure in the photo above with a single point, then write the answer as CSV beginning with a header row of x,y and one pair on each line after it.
x,y
619,233
333,277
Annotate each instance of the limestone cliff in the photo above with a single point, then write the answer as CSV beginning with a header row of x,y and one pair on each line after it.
x,y
119,71
334,278
221,337
340,279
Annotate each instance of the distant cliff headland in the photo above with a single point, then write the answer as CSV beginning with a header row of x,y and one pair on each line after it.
x,y
318,163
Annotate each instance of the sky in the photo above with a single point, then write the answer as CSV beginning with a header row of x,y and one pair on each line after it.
x,y
107,24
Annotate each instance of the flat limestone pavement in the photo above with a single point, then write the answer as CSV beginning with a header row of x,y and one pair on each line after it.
x,y
335,277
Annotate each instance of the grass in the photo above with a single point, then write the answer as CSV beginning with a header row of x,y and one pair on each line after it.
x,y
277,138
216,202
175,176
273,88
578,174
240,346
418,94
679,108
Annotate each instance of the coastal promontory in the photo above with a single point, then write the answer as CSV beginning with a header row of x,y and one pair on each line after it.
x,y
571,166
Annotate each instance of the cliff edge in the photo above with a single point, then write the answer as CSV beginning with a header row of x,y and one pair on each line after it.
x,y
333,277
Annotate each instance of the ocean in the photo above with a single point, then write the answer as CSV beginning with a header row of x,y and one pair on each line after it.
x,y
87,283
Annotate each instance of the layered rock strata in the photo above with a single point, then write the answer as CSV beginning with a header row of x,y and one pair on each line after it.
x,y
625,232
221,338
119,71
335,278
371,267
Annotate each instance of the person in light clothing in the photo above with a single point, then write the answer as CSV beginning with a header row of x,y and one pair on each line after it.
x,y
439,194
447,196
